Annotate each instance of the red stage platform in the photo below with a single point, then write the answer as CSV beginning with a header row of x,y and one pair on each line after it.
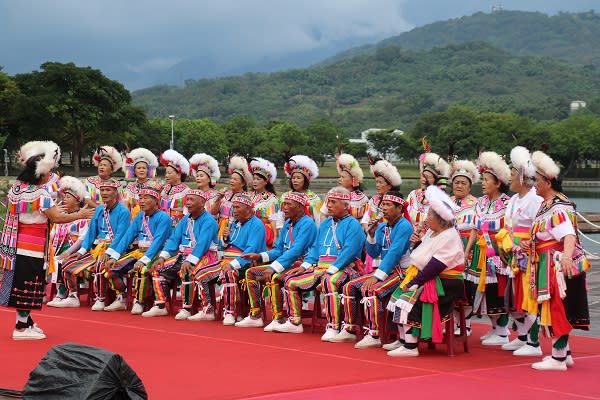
x,y
205,360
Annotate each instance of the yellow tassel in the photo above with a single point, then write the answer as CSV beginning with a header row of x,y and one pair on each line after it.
x,y
411,272
530,305
482,264
504,241
545,317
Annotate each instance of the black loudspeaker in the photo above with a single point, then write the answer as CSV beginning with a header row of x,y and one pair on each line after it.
x,y
74,371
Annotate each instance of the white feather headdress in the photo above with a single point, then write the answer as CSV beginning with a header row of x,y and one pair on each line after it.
x,y
433,163
239,165
464,168
302,164
108,153
177,161
49,151
388,171
264,168
490,161
545,165
139,155
347,162
520,159
207,164
73,186
441,203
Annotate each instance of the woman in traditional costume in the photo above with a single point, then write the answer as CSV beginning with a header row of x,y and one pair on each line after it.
x,y
206,173
350,178
108,160
240,178
140,164
301,171
266,203
24,236
172,197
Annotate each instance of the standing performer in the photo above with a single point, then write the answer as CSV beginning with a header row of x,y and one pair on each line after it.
x,y
239,179
302,170
520,213
391,241
108,225
266,204
351,177
172,197
149,230
205,170
108,160
245,235
330,262
140,164
487,273
428,295
298,234
560,266
24,236
66,238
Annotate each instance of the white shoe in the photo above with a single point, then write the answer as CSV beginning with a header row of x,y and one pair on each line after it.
x,y
403,352
288,327
457,331
550,364
54,301
250,322
569,361
229,319
487,334
368,342
514,344
495,340
36,328
392,346
183,314
272,325
155,311
528,350
28,334
329,334
203,315
137,308
343,336
69,302
117,305
98,306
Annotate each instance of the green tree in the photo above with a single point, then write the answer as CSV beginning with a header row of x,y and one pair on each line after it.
x,y
324,139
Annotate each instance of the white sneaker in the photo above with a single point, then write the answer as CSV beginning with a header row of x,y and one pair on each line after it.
x,y
495,340
288,327
514,344
137,308
343,336
392,346
70,301
98,306
272,325
250,322
550,364
183,314
156,311
54,301
528,350
36,328
117,305
457,331
404,352
203,315
329,334
487,334
229,319
28,334
569,361
368,342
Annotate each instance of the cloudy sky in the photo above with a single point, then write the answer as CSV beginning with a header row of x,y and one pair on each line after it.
x,y
144,42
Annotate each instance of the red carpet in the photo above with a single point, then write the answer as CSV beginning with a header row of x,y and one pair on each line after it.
x,y
205,360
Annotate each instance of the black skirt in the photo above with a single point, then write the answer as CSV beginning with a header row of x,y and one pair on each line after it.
x,y
24,285
494,302
576,303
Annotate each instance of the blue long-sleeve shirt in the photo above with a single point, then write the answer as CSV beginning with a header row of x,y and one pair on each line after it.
x,y
249,237
350,238
160,229
205,231
118,218
391,243
293,241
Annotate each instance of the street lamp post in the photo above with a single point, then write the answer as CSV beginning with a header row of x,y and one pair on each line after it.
x,y
172,118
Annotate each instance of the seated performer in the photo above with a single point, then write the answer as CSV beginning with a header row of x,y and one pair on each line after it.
x,y
177,168
185,253
434,279
298,234
139,164
108,225
391,240
246,235
330,262
150,229
108,160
